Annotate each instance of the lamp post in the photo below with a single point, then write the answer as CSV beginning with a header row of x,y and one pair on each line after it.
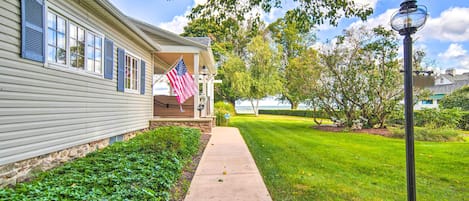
x,y
407,20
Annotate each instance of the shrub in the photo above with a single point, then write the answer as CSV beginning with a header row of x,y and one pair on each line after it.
x,y
144,168
436,118
396,117
464,122
222,108
299,113
433,117
457,99
430,134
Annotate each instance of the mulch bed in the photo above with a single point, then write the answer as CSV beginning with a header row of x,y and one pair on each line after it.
x,y
179,191
375,131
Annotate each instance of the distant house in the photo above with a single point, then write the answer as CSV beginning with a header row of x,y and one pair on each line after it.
x,y
444,85
76,76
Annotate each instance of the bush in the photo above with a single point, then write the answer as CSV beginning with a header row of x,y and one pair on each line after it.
x,y
144,168
437,118
430,134
396,117
222,108
452,118
457,99
299,113
464,122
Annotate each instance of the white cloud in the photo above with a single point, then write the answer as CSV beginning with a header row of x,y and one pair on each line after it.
x,y
176,25
452,25
455,57
454,51
178,22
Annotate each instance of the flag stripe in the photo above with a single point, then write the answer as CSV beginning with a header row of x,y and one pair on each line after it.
x,y
182,82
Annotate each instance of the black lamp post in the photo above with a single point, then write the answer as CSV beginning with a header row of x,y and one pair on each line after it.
x,y
407,20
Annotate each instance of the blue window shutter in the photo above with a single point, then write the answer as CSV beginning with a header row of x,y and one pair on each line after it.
x,y
142,78
32,30
120,69
108,58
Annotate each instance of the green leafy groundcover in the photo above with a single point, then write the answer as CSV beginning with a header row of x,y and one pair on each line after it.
x,y
144,168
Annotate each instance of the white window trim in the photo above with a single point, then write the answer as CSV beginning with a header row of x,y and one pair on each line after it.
x,y
139,63
67,67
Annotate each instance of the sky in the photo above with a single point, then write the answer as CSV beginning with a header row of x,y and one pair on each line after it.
x,y
445,36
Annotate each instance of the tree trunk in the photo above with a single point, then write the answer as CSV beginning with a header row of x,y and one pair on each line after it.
x,y
255,107
233,101
294,105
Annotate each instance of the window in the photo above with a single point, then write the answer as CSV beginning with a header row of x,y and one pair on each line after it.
x,y
77,46
84,46
56,48
131,72
427,102
93,49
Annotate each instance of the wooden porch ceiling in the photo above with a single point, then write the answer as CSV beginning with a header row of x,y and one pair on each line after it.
x,y
171,58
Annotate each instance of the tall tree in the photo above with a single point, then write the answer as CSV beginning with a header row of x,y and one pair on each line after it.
x,y
232,25
307,13
260,78
233,73
360,77
229,39
300,76
294,42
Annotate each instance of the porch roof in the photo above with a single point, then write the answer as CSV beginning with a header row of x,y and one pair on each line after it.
x,y
174,46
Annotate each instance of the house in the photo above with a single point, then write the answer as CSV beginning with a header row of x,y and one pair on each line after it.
x,y
76,76
444,84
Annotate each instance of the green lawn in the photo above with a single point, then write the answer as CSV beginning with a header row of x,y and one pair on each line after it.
x,y
301,163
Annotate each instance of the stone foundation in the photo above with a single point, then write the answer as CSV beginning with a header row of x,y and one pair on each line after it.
x,y
205,125
12,173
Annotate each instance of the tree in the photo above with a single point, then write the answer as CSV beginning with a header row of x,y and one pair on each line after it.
x,y
232,25
359,77
233,73
307,13
457,99
229,39
294,45
260,78
300,76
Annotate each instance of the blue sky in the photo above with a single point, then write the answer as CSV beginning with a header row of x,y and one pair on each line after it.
x,y
445,36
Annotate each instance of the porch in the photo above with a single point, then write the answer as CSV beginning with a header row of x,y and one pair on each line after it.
x,y
204,124
198,59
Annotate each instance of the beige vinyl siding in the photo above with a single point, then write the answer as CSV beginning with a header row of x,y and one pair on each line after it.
x,y
45,109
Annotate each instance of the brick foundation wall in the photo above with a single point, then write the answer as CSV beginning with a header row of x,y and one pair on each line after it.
x,y
205,125
12,173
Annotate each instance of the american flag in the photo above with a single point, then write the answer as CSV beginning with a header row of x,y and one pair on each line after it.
x,y
182,82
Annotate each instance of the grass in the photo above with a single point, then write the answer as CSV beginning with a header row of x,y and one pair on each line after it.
x,y
301,163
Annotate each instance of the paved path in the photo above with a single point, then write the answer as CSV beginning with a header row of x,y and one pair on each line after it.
x,y
227,171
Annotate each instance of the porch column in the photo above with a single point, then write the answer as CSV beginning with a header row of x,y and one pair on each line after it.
x,y
204,92
211,94
196,79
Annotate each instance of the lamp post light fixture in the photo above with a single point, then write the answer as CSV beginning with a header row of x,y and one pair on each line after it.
x,y
407,20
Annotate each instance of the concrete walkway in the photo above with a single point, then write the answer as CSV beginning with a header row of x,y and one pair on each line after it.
x,y
227,171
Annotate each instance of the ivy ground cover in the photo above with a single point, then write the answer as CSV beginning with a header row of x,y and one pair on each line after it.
x,y
144,168
298,162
